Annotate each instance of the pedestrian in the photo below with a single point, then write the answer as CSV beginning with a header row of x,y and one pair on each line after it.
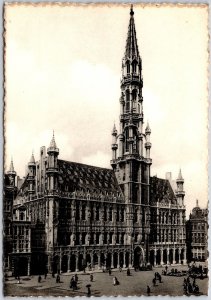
x,y
39,279
120,269
128,272
57,278
109,271
159,278
91,277
88,292
148,291
154,281
114,280
71,282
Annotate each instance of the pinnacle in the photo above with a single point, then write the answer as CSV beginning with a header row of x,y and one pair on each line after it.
x,y
11,169
11,166
32,160
180,175
53,143
148,130
131,44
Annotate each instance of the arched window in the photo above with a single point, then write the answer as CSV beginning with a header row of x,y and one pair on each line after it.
x,y
128,67
134,95
83,214
97,213
127,100
126,140
134,66
136,215
110,213
22,216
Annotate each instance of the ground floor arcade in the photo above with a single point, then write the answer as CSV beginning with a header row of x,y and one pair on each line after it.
x,y
167,255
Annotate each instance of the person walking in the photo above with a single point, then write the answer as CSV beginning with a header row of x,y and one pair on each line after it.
x,y
88,290
91,277
154,281
39,279
57,278
148,291
128,272
109,271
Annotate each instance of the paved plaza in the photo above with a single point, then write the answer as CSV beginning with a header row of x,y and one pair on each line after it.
x,y
134,285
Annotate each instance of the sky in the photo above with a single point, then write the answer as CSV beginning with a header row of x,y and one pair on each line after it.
x,y
63,71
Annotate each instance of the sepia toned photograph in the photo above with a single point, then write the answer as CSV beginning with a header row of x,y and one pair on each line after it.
x,y
106,150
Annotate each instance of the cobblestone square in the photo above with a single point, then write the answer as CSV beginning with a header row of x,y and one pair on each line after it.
x,y
134,285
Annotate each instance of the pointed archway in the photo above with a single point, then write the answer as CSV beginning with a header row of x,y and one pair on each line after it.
x,y
64,265
138,257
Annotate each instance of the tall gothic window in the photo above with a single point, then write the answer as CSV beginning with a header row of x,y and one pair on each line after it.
x,y
126,140
128,67
134,66
77,211
127,101
110,213
97,213
83,214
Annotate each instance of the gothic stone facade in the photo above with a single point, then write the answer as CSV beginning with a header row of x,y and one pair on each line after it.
x,y
81,215
197,239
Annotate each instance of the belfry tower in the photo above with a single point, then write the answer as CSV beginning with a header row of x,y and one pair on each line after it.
x,y
131,146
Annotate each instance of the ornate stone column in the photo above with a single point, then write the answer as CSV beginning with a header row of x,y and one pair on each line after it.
x,y
68,263
179,256
167,256
112,260
161,256
98,260
185,258
130,265
28,266
174,262
155,256
76,262
124,265
118,260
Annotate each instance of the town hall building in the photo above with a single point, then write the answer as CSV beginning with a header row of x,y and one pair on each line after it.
x,y
67,216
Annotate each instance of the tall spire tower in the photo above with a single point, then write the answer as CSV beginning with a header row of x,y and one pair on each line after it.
x,y
132,160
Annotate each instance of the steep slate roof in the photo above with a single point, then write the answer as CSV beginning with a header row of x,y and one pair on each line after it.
x,y
76,176
161,191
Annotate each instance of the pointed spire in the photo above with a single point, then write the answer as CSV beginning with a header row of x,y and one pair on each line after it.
x,y
11,166
147,129
180,174
180,178
32,160
53,147
131,44
11,169
53,143
197,203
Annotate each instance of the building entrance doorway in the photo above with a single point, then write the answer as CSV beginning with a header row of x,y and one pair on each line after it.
x,y
138,257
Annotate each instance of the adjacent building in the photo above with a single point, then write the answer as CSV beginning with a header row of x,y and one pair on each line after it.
x,y
197,239
68,216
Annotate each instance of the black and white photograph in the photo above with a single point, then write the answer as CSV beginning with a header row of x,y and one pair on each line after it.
x,y
105,187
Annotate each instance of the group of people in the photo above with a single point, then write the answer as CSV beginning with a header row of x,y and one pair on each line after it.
x,y
74,282
156,278
190,288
